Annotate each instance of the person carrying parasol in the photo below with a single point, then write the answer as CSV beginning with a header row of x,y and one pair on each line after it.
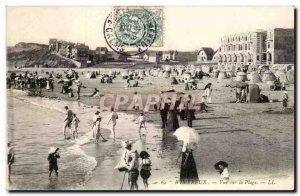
x,y
188,170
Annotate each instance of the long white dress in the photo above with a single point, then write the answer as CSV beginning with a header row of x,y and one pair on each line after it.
x,y
48,85
207,93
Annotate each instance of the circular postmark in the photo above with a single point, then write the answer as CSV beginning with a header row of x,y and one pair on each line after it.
x,y
130,32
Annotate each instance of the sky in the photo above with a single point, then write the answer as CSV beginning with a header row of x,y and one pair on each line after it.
x,y
185,28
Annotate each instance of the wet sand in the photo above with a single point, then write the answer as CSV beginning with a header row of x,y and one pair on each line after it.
x,y
256,139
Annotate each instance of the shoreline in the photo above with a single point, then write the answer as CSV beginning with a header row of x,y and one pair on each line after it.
x,y
164,153
84,141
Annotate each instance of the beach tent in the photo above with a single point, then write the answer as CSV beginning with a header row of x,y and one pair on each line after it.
x,y
249,75
141,73
290,76
281,75
180,71
268,76
288,67
222,75
215,73
167,68
206,68
263,68
254,77
240,76
186,77
147,72
70,72
155,72
198,69
275,67
229,74
111,73
90,75
253,95
160,74
193,72
130,72
166,74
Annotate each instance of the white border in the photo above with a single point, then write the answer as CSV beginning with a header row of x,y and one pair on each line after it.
x,y
5,3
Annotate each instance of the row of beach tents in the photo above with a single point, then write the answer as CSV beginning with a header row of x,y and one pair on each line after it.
x,y
186,72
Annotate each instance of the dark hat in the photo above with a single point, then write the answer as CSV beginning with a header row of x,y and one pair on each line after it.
x,y
144,154
223,163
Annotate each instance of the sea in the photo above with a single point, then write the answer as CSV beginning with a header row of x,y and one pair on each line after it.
x,y
32,130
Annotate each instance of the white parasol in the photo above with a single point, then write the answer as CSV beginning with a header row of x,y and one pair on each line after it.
x,y
52,150
188,135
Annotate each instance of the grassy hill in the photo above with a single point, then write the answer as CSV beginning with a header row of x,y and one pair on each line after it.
x,y
31,54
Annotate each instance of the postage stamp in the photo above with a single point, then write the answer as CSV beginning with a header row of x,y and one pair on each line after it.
x,y
132,30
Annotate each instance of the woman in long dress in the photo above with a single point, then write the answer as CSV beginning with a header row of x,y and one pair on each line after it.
x,y
188,170
190,112
48,85
173,122
207,92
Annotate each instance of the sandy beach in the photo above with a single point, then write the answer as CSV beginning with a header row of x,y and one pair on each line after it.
x,y
256,139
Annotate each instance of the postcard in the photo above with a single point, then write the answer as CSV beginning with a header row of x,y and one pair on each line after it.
x,y
150,98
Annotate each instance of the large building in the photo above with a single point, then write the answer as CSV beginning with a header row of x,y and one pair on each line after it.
x,y
280,46
242,49
255,48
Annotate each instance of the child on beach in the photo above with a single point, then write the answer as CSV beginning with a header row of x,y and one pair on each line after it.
x,y
222,166
145,165
133,170
52,158
10,158
98,134
113,118
75,123
97,128
285,99
142,122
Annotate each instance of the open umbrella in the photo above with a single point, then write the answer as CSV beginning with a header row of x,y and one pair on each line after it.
x,y
238,84
188,135
52,150
190,138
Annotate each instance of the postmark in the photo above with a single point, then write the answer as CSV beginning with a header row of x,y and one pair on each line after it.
x,y
133,30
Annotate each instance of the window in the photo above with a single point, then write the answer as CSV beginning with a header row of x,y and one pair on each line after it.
x,y
269,45
257,58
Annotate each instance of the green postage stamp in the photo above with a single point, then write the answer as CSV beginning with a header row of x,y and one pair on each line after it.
x,y
134,28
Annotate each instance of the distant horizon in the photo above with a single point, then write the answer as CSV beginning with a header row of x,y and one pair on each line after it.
x,y
150,49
